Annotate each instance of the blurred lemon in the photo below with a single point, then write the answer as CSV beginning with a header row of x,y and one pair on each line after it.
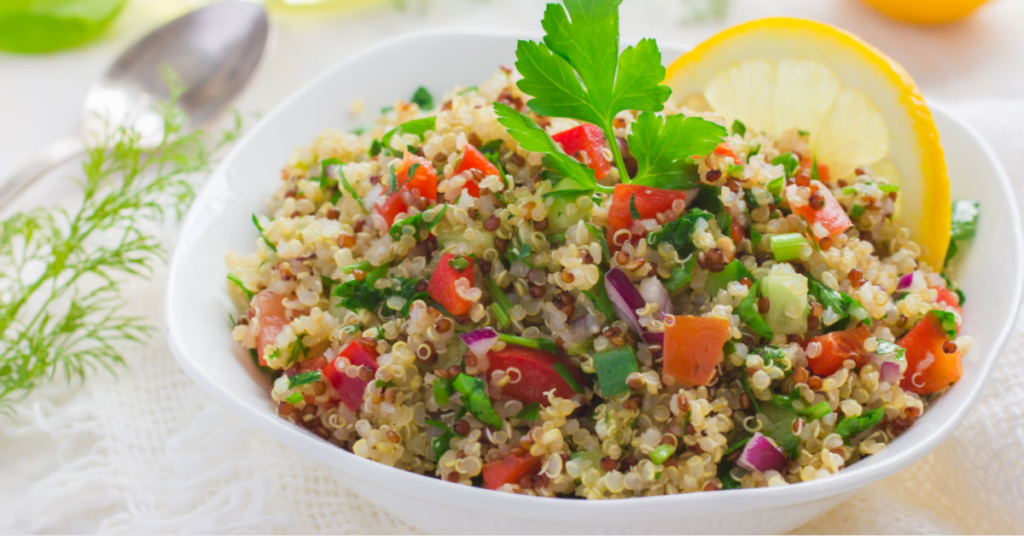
x,y
926,11
859,106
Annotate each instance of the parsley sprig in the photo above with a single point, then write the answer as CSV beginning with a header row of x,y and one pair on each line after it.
x,y
577,72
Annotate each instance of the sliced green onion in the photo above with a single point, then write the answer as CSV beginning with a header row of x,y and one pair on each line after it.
x,y
500,305
775,186
563,371
238,282
786,247
736,446
888,188
381,384
662,453
536,344
294,398
303,378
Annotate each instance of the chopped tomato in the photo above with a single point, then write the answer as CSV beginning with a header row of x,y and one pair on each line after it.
x,y
589,139
537,371
948,297
422,184
270,311
724,149
831,216
474,159
508,470
693,348
837,347
807,163
351,390
649,203
442,284
929,367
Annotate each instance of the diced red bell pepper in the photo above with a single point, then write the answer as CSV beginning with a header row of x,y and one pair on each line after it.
x,y
837,347
422,184
538,373
351,390
831,216
442,284
271,313
693,348
474,159
929,367
649,203
507,470
947,297
724,149
591,140
737,232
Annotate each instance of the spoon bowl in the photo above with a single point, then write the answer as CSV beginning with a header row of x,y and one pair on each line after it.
x,y
212,53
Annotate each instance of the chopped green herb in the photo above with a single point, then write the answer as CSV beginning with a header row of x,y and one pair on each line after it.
x,y
948,322
423,98
238,283
474,397
536,344
735,171
753,151
681,276
442,443
294,398
790,402
790,163
775,186
416,127
600,238
755,238
501,306
677,232
419,222
739,128
443,390
556,238
886,348
259,227
747,311
734,271
857,211
736,446
888,188
851,426
363,294
459,263
303,378
632,208
530,413
598,295
965,220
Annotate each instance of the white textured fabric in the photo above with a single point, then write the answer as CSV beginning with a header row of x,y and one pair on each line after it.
x,y
148,452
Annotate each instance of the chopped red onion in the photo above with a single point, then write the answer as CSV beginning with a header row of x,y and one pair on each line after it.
x,y
655,339
653,291
890,372
480,341
912,282
759,454
625,297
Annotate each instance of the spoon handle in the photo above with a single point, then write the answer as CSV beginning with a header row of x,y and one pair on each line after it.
x,y
53,155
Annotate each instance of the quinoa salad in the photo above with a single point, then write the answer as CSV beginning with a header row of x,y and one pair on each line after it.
x,y
482,288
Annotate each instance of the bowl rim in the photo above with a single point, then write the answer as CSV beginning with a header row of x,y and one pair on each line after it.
x,y
486,500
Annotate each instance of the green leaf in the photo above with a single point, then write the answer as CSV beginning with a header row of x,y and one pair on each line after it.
x,y
633,212
566,375
416,127
442,443
613,367
812,413
677,232
736,446
404,288
747,311
419,223
600,238
238,283
662,148
789,162
363,294
501,306
529,413
533,138
381,384
334,163
681,276
294,398
890,348
734,271
536,344
777,424
709,199
739,128
259,227
948,322
459,263
423,98
965,220
475,399
755,238
857,211
599,297
303,378
851,426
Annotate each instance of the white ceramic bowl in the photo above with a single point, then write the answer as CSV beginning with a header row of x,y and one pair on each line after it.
x,y
197,304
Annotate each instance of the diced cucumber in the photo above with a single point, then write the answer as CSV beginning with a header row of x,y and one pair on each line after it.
x,y
613,367
444,240
734,271
787,301
592,456
558,216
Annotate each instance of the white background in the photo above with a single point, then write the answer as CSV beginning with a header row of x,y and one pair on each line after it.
x,y
147,452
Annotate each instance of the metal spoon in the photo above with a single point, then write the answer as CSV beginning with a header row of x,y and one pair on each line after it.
x,y
213,51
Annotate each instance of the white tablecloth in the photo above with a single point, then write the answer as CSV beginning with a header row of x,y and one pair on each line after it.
x,y
149,452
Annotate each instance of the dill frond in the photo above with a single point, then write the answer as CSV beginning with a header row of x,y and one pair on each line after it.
x,y
63,270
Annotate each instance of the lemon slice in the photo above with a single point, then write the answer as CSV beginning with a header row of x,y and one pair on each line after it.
x,y
860,107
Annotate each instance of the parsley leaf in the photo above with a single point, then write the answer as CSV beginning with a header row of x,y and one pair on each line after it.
x,y
363,294
965,220
259,228
739,128
303,378
948,322
789,162
577,71
332,166
419,223
475,399
677,232
423,98
416,127
747,311
663,147
851,426
529,413
459,262
632,208
533,138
